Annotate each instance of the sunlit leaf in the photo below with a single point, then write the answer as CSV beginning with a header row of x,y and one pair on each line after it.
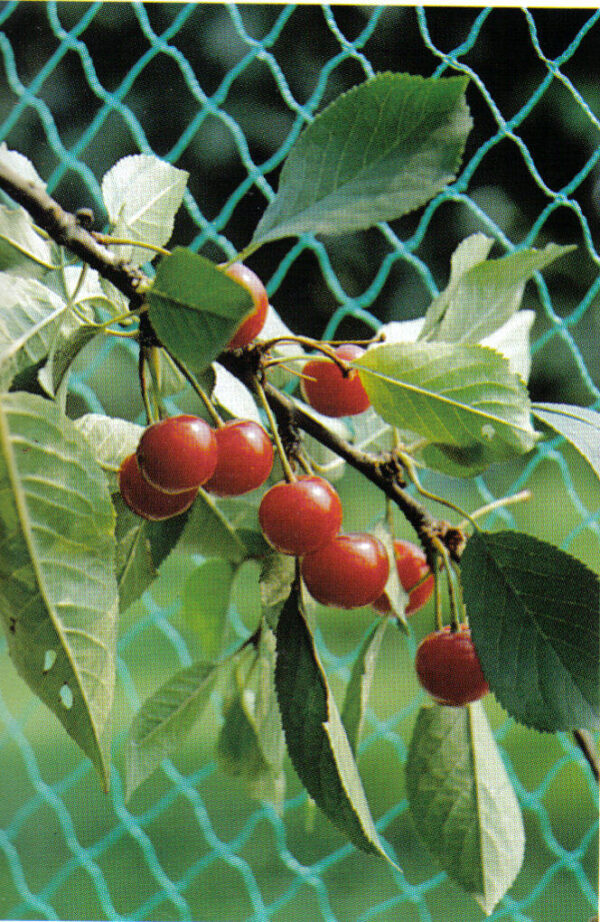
x,y
463,400
142,194
578,425
462,801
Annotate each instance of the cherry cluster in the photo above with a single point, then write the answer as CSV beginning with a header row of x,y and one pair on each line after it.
x,y
302,515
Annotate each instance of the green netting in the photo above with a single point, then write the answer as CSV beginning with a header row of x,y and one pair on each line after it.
x,y
224,90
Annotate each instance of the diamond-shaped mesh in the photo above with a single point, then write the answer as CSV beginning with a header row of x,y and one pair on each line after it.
x,y
223,91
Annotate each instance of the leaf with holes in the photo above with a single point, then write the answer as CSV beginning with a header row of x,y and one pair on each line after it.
x,y
377,152
578,425
534,612
195,308
463,400
58,593
314,733
361,680
142,195
462,801
483,294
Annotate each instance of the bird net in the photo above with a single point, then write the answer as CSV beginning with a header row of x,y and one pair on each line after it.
x,y
223,90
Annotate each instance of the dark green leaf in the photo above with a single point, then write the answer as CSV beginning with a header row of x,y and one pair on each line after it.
x,y
278,572
464,400
534,613
314,733
578,425
195,308
361,680
134,566
58,593
209,532
377,152
462,802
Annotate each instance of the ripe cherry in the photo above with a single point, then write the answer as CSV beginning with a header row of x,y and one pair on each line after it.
x,y
329,391
245,458
178,453
146,500
348,572
448,667
299,517
412,567
254,322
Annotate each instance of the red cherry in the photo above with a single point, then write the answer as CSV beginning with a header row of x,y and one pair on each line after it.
x,y
245,458
329,391
178,453
146,500
448,667
348,572
299,517
412,567
254,322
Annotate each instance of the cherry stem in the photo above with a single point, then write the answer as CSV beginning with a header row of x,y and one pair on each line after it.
x,y
450,577
497,504
285,464
150,416
107,240
437,595
197,387
409,466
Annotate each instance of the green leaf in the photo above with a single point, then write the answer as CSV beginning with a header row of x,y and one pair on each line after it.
x,y
195,308
206,596
277,575
111,440
462,801
464,400
22,249
166,718
314,733
377,152
578,425
58,593
21,164
397,596
67,344
209,532
30,314
533,611
483,293
142,195
251,744
361,680
135,568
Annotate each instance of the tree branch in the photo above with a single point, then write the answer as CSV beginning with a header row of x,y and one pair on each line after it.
x,y
66,230
586,743
382,470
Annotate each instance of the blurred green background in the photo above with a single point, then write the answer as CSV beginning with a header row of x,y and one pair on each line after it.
x,y
222,90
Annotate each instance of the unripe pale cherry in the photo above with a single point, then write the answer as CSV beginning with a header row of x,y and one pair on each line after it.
x,y
255,321
177,453
412,567
145,500
329,391
448,667
349,572
245,458
300,516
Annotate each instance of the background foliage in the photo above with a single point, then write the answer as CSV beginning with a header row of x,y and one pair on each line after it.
x,y
223,91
